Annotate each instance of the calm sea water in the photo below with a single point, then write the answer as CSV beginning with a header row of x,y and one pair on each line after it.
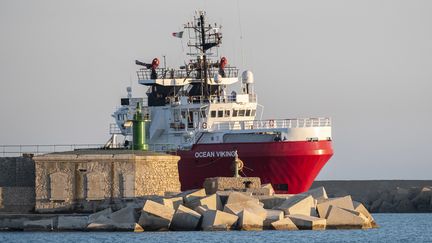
x,y
393,228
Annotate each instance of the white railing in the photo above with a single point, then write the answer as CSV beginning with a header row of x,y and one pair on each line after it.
x,y
269,124
19,150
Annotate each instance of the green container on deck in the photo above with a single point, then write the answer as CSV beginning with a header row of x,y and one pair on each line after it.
x,y
139,130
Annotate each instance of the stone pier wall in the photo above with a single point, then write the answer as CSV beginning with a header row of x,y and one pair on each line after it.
x,y
88,181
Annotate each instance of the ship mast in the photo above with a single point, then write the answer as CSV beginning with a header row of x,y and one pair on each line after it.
x,y
203,38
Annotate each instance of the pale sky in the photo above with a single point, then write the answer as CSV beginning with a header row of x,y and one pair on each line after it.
x,y
367,64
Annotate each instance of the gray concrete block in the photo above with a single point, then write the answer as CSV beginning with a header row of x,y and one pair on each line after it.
x,y
308,222
339,218
249,221
42,224
298,204
155,216
284,224
72,222
318,193
251,206
218,220
93,217
272,216
238,197
342,202
185,219
270,202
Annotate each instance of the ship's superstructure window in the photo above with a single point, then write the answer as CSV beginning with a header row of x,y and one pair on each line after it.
x,y
235,113
253,112
220,113
213,113
242,112
227,113
248,112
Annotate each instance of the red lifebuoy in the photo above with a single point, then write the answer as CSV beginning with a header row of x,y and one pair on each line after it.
x,y
204,125
271,123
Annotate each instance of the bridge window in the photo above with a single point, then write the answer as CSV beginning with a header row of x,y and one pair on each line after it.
x,y
213,113
241,112
253,112
227,113
235,112
220,113
248,112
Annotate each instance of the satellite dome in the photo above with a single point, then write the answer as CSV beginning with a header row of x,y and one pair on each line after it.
x,y
247,77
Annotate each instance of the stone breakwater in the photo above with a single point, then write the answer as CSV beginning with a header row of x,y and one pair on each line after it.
x,y
385,196
246,209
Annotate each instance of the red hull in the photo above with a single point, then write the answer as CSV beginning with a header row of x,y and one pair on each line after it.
x,y
290,167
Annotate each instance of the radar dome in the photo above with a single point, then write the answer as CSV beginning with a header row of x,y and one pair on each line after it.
x,y
247,77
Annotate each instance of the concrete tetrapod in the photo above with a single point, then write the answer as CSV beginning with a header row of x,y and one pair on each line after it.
x,y
308,222
185,219
298,204
218,220
249,221
342,202
284,224
155,216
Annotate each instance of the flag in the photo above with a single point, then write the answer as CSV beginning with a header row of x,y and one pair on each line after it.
x,y
178,34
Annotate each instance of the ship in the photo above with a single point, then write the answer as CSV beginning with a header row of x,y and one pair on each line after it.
x,y
194,112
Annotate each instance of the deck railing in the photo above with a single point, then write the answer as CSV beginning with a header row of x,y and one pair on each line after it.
x,y
268,124
36,149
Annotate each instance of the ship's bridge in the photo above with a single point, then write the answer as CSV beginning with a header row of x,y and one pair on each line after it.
x,y
181,77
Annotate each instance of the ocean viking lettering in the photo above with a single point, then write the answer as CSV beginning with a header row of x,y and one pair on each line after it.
x,y
211,154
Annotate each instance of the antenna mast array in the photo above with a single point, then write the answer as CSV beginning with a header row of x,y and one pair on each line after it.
x,y
203,37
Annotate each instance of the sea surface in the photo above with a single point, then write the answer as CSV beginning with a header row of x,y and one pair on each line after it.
x,y
393,228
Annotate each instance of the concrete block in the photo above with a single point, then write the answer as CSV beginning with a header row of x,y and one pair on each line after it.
x,y
138,228
342,202
176,202
269,187
270,202
272,216
195,195
251,206
185,219
218,220
41,224
212,202
72,222
359,207
298,204
223,195
318,193
93,217
155,216
284,224
201,209
238,197
249,221
124,218
308,222
339,218
102,223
